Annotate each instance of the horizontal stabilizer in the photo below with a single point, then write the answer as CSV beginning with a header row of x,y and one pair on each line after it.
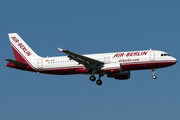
x,y
15,62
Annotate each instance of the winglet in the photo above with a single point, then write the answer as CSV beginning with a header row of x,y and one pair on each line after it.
x,y
60,50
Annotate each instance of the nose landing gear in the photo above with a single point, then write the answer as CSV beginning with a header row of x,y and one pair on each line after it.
x,y
154,76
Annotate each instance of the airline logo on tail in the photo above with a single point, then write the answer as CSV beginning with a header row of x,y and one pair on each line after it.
x,y
21,46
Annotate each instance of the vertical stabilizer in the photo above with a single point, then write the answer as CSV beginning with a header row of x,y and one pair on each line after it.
x,y
22,51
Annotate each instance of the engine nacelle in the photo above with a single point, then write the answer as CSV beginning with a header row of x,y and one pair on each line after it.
x,y
120,76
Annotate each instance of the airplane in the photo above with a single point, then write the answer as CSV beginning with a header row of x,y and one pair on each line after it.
x,y
115,65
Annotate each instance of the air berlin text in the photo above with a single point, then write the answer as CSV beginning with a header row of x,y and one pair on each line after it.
x,y
131,54
21,46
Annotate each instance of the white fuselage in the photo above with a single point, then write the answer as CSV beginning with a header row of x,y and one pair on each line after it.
x,y
125,58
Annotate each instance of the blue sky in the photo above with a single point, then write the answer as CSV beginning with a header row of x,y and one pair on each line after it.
x,y
96,26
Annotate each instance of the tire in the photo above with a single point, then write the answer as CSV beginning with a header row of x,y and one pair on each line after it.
x,y
154,76
92,78
99,82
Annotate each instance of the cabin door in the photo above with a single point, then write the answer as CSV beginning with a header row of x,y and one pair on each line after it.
x,y
152,55
40,64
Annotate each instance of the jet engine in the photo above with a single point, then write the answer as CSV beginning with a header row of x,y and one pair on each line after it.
x,y
120,76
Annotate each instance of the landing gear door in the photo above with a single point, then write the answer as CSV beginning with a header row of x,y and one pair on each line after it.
x,y
152,55
40,64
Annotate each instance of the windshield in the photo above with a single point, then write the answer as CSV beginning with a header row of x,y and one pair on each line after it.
x,y
165,54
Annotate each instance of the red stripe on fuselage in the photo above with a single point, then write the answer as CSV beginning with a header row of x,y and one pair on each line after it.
x,y
147,65
62,71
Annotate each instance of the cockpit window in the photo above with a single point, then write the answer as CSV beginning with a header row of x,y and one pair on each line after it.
x,y
165,54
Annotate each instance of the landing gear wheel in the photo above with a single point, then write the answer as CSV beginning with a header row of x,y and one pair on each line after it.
x,y
99,82
92,78
154,76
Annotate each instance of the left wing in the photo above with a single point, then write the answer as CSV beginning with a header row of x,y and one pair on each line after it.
x,y
89,63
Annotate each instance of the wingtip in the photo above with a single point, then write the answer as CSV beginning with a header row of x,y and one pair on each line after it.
x,y
60,50
6,59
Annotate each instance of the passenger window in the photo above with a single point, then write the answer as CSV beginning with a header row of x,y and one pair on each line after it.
x,y
161,54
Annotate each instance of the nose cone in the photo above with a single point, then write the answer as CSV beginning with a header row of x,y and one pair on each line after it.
x,y
174,60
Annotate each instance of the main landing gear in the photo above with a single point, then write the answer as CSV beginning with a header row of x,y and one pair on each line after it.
x,y
98,82
92,78
154,76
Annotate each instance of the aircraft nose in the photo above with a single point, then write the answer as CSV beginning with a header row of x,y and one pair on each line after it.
x,y
174,60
